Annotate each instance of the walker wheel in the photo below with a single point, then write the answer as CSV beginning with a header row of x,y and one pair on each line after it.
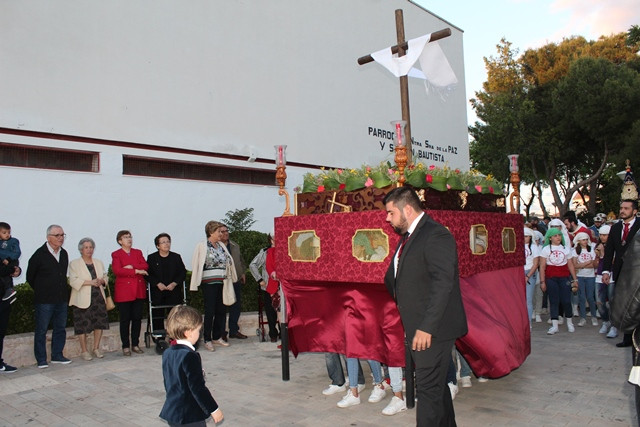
x,y
258,332
147,339
161,346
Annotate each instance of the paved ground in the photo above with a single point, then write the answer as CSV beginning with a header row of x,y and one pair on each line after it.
x,y
569,380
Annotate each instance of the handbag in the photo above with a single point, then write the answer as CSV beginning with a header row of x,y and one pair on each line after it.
x,y
108,300
228,292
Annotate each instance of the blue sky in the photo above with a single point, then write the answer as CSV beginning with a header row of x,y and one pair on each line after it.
x,y
527,24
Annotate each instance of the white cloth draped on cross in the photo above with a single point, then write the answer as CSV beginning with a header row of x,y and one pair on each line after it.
x,y
435,67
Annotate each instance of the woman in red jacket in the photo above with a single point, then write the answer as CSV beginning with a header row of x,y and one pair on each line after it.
x,y
129,266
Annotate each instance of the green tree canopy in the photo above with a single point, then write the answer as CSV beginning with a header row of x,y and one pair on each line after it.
x,y
569,109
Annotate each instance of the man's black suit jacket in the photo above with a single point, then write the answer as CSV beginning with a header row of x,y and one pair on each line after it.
x,y
427,287
188,398
614,249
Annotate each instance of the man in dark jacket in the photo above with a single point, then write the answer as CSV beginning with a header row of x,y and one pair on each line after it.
x,y
423,279
47,275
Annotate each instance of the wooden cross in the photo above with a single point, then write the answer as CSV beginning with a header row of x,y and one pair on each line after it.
x,y
400,48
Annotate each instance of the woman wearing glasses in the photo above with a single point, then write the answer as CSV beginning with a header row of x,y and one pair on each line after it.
x,y
166,279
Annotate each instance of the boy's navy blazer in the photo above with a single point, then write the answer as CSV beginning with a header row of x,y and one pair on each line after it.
x,y
188,398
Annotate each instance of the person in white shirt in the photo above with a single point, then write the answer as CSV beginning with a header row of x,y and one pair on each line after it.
x,y
585,261
532,254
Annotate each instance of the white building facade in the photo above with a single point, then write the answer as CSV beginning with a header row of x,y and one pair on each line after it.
x,y
157,116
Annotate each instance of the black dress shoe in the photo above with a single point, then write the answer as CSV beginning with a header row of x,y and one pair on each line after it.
x,y
238,335
623,344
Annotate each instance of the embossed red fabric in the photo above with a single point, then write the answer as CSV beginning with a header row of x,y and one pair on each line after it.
x,y
335,231
339,304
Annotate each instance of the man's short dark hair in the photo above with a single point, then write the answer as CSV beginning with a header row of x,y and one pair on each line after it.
x,y
402,196
634,203
571,216
4,226
160,236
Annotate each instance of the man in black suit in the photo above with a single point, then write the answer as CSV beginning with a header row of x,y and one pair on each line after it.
x,y
423,280
617,245
47,275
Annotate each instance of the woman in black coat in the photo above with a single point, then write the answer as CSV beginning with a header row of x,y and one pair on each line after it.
x,y
166,279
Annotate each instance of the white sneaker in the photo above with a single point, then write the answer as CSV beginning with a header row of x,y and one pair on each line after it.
x,y
594,321
453,389
349,400
333,389
538,319
560,320
465,382
604,328
613,332
377,394
582,322
570,327
483,379
552,330
396,405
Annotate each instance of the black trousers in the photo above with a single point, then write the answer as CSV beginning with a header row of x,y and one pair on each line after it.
x,y
435,407
272,316
130,315
215,312
5,310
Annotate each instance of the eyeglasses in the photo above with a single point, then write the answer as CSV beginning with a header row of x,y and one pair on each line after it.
x,y
58,235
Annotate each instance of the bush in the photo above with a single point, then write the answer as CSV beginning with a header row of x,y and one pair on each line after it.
x,y
22,318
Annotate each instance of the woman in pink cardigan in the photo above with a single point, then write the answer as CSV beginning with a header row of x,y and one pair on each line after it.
x,y
129,266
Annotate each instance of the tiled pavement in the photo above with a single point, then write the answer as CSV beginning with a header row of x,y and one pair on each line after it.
x,y
569,380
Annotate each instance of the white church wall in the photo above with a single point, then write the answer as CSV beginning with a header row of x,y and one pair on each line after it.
x,y
227,77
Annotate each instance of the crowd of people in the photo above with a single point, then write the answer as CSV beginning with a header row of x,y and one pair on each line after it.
x,y
570,269
58,284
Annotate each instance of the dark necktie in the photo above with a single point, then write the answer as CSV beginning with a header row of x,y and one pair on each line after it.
x,y
405,237
625,232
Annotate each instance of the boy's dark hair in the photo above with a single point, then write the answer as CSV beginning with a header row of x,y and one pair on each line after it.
x,y
181,319
4,226
402,196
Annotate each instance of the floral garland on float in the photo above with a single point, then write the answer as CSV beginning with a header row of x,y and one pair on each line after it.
x,y
364,188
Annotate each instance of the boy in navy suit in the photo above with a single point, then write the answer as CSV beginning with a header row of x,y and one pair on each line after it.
x,y
188,400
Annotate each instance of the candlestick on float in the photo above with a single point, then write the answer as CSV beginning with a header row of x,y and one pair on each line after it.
x,y
281,175
514,197
400,149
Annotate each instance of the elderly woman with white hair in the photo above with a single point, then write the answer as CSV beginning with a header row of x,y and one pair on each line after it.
x,y
87,278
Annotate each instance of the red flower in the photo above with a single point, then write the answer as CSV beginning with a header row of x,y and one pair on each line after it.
x,y
491,190
320,188
342,186
457,170
429,178
432,167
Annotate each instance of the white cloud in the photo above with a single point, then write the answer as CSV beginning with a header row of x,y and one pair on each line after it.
x,y
594,18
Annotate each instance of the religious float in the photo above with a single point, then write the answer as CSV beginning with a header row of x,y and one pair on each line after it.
x,y
333,250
